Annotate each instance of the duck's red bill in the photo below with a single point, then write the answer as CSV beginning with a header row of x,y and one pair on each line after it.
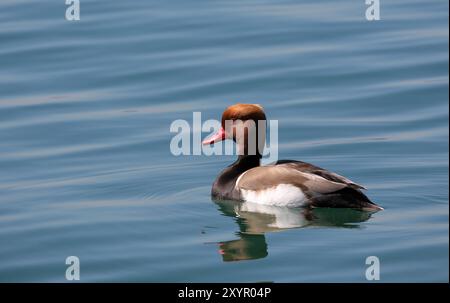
x,y
217,137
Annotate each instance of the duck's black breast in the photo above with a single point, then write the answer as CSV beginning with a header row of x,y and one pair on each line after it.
x,y
224,185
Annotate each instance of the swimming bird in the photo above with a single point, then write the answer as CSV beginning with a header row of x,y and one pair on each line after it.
x,y
288,183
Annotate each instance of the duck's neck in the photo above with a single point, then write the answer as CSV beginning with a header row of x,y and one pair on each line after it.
x,y
245,162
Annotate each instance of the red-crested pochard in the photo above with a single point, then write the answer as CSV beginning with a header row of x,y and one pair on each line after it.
x,y
283,183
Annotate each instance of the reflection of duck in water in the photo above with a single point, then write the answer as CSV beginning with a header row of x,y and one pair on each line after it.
x,y
254,220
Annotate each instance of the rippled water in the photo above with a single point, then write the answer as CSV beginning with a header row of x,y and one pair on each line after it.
x,y
85,165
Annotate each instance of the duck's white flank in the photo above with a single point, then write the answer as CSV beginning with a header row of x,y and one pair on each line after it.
x,y
280,195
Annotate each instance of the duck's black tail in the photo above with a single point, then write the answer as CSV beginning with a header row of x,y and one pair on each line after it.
x,y
346,198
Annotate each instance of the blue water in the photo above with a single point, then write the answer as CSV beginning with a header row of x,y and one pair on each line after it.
x,y
85,164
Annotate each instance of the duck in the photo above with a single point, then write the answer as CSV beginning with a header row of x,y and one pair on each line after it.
x,y
287,183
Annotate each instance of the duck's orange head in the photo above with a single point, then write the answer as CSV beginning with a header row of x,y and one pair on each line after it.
x,y
239,123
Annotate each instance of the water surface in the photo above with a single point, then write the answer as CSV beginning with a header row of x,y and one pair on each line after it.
x,y
85,164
